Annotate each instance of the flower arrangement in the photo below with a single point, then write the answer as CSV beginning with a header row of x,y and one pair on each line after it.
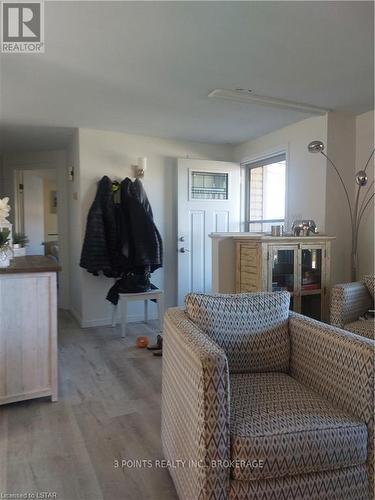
x,y
4,209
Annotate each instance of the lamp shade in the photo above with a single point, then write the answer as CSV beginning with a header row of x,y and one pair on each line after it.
x,y
315,147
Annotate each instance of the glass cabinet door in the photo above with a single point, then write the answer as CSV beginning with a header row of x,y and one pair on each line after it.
x,y
283,271
311,281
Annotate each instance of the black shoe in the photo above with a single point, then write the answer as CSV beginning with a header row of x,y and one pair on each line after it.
x,y
158,346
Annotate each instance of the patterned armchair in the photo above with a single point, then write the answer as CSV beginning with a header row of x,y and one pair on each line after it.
x,y
349,301
261,403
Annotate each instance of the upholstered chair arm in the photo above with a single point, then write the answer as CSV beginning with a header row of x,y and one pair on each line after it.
x,y
348,302
337,364
195,409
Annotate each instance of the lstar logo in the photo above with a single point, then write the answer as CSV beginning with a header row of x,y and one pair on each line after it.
x,y
22,27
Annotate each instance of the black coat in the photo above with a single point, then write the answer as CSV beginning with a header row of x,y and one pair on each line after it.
x,y
121,238
141,243
100,251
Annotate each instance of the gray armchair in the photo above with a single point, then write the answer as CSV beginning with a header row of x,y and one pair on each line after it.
x,y
350,301
261,403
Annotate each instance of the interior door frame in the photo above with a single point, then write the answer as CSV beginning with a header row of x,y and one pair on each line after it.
x,y
58,163
183,188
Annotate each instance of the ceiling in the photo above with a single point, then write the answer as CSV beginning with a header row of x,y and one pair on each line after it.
x,y
147,68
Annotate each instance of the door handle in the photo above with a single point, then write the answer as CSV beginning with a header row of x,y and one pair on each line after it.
x,y
183,250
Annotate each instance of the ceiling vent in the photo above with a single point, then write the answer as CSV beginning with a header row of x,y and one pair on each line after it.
x,y
246,96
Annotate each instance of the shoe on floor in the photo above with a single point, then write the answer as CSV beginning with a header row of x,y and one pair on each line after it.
x,y
158,346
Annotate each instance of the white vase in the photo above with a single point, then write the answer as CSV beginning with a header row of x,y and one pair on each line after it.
x,y
4,258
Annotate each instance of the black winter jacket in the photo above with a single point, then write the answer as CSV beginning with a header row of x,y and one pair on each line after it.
x,y
100,251
121,238
141,243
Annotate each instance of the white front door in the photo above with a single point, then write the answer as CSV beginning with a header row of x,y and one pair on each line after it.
x,y
208,202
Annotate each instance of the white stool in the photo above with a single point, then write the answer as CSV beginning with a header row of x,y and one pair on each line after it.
x,y
124,298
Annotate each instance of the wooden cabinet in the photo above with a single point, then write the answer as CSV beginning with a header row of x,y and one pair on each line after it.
x,y
28,335
298,265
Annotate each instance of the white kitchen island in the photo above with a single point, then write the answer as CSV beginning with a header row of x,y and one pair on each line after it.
x,y
28,329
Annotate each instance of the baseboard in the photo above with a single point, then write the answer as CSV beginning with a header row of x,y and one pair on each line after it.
x,y
76,315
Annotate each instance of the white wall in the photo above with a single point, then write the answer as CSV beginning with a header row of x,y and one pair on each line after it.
x,y
306,176
340,147
364,146
111,153
35,161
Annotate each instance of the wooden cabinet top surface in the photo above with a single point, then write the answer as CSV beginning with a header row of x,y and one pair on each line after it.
x,y
257,237
31,264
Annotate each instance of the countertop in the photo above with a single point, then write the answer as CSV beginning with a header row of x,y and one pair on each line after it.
x,y
268,237
31,264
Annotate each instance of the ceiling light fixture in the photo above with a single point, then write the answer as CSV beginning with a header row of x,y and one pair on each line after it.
x,y
246,96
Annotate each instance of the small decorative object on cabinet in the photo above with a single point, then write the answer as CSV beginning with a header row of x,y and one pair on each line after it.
x,y
300,265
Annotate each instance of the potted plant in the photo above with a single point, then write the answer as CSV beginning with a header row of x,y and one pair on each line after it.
x,y
5,250
20,240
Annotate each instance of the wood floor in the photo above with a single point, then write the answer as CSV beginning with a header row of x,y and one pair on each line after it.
x,y
108,409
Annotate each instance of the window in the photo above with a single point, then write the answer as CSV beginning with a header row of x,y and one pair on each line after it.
x,y
265,194
209,186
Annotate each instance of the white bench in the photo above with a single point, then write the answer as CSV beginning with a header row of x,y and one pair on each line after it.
x,y
124,298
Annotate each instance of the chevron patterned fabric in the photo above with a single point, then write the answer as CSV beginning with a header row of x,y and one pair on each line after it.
x,y
349,301
369,281
195,408
339,365
290,427
301,432
365,328
343,484
251,328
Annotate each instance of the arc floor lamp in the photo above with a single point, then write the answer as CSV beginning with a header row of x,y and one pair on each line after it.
x,y
361,203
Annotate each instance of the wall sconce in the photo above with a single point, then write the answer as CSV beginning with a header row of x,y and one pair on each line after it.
x,y
140,168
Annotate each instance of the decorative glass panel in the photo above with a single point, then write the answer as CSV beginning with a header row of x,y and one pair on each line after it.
x,y
209,186
311,275
283,270
311,306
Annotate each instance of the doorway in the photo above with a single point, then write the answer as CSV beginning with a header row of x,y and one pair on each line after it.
x,y
208,202
37,201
